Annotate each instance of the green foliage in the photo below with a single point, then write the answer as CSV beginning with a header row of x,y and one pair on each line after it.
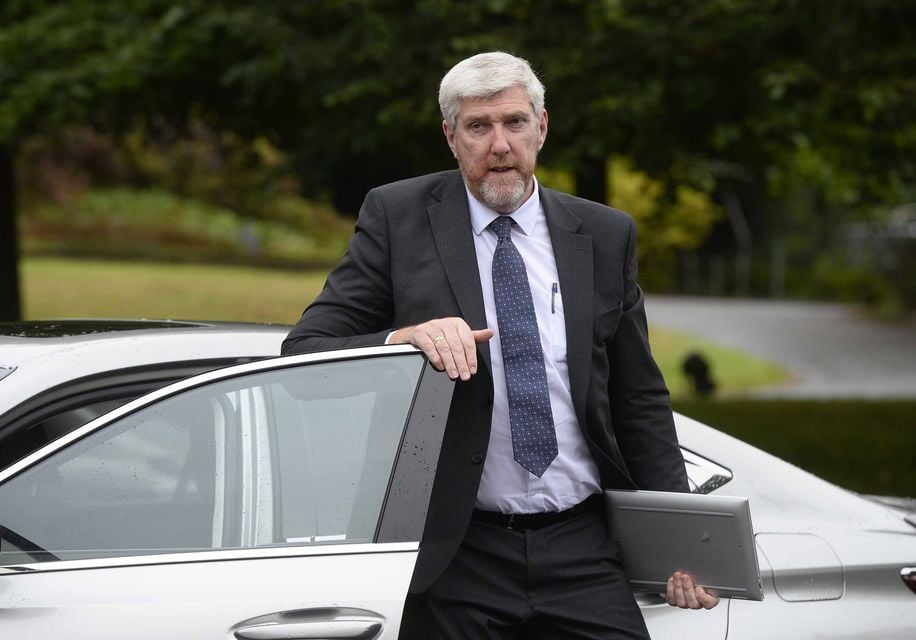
x,y
865,446
670,218
733,86
758,98
861,285
157,225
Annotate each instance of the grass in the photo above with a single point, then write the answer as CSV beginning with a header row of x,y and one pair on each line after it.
x,y
60,288
733,371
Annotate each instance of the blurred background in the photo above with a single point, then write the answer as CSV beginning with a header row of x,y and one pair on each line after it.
x,y
205,159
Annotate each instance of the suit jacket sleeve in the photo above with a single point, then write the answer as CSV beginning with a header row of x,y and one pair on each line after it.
x,y
354,309
639,400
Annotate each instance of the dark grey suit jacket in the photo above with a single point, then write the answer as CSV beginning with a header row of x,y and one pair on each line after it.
x,y
412,259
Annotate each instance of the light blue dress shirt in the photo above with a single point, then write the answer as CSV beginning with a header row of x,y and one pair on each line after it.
x,y
506,486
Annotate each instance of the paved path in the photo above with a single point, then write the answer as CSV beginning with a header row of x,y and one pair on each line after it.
x,y
832,350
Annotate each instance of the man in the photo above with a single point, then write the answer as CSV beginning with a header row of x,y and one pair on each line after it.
x,y
540,321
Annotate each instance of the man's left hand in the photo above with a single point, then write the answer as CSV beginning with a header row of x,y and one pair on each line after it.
x,y
683,593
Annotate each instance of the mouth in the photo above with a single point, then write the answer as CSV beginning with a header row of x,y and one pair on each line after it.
x,y
501,169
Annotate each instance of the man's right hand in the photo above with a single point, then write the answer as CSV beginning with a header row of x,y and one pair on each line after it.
x,y
449,343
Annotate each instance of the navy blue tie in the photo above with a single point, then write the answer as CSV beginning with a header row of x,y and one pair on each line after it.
x,y
534,440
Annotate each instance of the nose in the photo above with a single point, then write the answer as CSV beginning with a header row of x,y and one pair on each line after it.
x,y
500,144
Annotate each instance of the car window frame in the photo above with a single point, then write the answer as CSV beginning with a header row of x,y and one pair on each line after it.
x,y
400,523
123,384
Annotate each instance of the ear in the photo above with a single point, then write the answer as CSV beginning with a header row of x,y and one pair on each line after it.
x,y
449,137
542,129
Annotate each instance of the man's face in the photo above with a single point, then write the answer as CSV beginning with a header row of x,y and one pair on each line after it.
x,y
496,142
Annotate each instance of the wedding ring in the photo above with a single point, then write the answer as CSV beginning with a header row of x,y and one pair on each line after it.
x,y
438,339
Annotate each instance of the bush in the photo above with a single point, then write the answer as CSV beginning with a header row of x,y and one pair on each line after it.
x,y
156,225
866,446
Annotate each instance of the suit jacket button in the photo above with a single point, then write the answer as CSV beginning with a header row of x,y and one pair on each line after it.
x,y
488,402
477,458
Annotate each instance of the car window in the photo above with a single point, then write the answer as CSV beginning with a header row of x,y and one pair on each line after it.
x,y
300,455
53,412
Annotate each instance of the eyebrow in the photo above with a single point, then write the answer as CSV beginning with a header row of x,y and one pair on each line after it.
x,y
508,116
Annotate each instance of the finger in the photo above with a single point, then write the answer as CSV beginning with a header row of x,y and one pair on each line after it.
x,y
677,598
465,350
453,347
441,338
706,599
469,341
461,345
482,335
456,346
690,594
426,339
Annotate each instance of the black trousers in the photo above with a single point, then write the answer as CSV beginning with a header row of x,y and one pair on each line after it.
x,y
563,581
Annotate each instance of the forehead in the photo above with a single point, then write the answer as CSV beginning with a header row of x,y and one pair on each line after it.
x,y
513,100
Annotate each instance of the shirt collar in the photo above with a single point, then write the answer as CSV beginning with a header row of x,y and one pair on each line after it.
x,y
526,216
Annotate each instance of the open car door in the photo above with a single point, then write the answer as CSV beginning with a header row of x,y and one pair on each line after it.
x,y
280,499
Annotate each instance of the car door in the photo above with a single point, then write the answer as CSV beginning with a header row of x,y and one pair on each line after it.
x,y
279,499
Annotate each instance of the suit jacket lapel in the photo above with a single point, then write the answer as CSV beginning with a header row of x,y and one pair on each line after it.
x,y
450,220
573,253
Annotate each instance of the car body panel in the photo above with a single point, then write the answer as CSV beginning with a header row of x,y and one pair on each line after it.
x,y
205,600
267,579
830,560
39,363
57,375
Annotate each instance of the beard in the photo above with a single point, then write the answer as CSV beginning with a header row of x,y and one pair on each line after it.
x,y
503,194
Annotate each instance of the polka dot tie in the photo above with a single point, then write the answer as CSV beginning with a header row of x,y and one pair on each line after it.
x,y
534,440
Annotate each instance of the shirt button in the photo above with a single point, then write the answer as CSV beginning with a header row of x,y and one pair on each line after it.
x,y
477,458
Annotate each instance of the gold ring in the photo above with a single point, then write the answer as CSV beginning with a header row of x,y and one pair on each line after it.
x,y
438,339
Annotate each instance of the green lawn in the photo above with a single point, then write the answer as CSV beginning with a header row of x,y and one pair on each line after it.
x,y
59,287
733,371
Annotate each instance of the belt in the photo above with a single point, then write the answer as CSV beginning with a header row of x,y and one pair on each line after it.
x,y
536,520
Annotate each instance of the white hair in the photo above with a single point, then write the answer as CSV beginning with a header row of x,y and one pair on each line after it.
x,y
485,75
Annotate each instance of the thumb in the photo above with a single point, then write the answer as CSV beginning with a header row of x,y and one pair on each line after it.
x,y
482,335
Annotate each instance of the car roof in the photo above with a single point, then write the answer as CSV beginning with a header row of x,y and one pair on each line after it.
x,y
80,330
41,355
22,341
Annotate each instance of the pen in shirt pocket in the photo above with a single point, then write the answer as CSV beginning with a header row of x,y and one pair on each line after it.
x,y
554,290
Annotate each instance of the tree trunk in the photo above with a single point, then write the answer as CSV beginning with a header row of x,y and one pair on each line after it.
x,y
591,179
10,308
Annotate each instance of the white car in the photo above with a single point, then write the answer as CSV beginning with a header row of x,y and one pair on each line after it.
x,y
285,498
57,375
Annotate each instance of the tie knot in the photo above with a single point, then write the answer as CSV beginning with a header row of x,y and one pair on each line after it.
x,y
503,227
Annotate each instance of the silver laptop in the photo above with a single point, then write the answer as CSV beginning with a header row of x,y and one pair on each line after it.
x,y
709,537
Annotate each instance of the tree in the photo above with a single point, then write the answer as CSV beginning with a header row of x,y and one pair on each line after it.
x,y
10,306
746,99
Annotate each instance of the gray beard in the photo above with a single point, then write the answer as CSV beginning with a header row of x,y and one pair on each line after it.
x,y
503,199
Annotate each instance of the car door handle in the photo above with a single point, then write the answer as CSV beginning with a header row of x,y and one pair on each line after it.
x,y
312,624
356,629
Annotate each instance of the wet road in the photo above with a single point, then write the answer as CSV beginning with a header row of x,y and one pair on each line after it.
x,y
832,350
